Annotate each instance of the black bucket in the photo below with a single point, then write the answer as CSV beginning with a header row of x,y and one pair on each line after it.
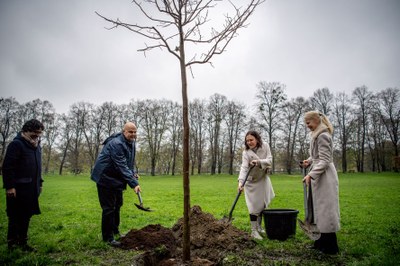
x,y
280,223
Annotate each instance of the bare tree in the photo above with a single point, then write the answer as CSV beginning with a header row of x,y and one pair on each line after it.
x,y
66,136
293,111
216,113
271,97
389,112
78,114
153,120
197,112
303,141
322,100
377,136
126,113
343,118
111,118
93,130
8,116
221,148
180,28
50,136
37,109
235,122
362,97
175,130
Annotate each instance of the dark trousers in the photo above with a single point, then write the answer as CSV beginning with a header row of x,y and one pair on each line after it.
x,y
19,211
110,202
18,230
327,243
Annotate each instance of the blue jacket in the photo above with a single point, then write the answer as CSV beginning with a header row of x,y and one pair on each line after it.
x,y
22,164
114,166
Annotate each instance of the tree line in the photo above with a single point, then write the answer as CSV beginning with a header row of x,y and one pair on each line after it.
x,y
366,130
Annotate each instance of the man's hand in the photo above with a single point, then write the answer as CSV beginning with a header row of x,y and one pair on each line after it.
x,y
137,189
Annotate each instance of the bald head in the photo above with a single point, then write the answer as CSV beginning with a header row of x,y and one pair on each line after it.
x,y
129,131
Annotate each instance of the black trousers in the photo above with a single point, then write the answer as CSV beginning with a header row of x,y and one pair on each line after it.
x,y
18,230
110,202
20,209
327,243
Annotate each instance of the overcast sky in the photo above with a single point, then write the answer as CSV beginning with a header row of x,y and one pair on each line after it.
x,y
60,51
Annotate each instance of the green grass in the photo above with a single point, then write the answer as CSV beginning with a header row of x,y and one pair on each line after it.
x,y
68,230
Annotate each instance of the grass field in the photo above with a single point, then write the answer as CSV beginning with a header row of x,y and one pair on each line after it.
x,y
68,230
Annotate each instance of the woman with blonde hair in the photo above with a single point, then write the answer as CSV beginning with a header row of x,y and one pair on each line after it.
x,y
324,182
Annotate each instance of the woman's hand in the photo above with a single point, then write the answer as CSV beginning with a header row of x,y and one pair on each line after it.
x,y
304,163
254,162
307,179
240,187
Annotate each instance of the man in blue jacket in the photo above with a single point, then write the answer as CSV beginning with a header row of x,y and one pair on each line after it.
x,y
22,179
113,170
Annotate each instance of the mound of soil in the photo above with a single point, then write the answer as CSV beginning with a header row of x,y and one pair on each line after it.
x,y
149,238
211,240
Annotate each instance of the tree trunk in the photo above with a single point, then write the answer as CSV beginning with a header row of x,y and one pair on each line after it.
x,y
185,146
63,161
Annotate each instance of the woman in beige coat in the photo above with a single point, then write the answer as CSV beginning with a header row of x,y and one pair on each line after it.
x,y
258,187
324,182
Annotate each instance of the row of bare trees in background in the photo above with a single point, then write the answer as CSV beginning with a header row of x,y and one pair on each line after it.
x,y
366,136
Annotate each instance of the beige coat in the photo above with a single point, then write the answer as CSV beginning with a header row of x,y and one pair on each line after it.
x,y
324,181
258,188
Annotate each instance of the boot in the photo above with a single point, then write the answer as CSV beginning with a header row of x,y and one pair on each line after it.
x,y
254,230
259,223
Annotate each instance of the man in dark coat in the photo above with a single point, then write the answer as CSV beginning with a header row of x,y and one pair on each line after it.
x,y
113,170
22,179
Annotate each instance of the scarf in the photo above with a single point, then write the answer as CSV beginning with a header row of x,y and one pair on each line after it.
x,y
33,142
321,128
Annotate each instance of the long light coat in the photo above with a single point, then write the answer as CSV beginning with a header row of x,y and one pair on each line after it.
x,y
258,188
324,181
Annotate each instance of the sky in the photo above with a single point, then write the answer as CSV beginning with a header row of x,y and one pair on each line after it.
x,y
61,51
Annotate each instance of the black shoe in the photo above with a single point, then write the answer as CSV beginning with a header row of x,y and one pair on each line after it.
x,y
331,251
114,243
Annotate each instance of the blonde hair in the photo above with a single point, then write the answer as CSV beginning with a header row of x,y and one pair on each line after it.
x,y
321,117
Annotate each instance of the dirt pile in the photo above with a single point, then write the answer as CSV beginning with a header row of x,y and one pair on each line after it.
x,y
211,240
149,238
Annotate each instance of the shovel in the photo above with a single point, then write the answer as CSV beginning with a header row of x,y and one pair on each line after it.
x,y
140,206
229,219
311,230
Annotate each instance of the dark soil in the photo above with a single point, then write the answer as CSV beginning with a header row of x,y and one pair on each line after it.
x,y
211,241
215,243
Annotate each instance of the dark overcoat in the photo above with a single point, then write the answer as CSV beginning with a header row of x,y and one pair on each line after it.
x,y
22,170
